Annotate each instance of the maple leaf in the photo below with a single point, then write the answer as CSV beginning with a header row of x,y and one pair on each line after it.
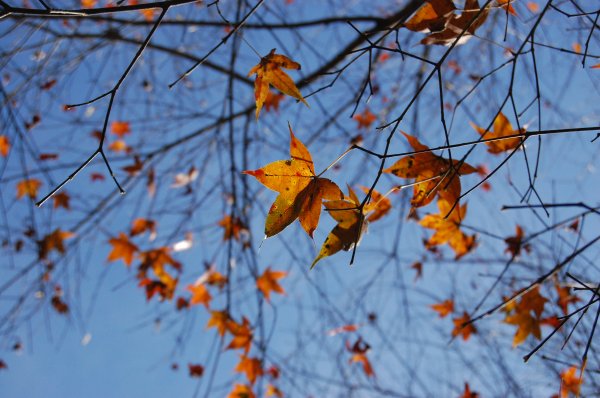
x,y
252,367
241,391
122,248
433,174
532,301
195,370
447,228
365,119
515,243
300,190
273,391
468,393
462,327
268,72
565,298
232,227
4,145
570,383
88,3
444,308
200,295
272,101
157,260
53,241
141,225
359,352
28,187
61,199
502,128
446,26
418,267
507,5
351,223
526,325
219,320
268,282
59,305
120,129
119,146
242,335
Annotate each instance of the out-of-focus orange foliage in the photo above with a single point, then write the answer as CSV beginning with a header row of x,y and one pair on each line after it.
x,y
462,327
447,228
570,383
4,145
301,192
122,248
120,128
28,187
88,3
359,352
200,295
272,101
468,393
269,281
268,72
365,119
273,391
232,227
61,199
242,335
444,308
433,174
157,260
220,321
241,391
526,315
252,367
141,225
53,241
565,298
515,243
502,128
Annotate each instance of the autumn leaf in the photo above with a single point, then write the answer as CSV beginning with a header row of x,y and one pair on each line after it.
x,y
462,327
525,314
507,5
141,225
241,391
301,192
3,365
515,243
122,248
447,228
59,305
120,128
4,145
28,187
220,321
273,391
431,16
455,26
433,174
232,227
532,301
242,335
468,393
365,119
200,295
351,223
88,3
269,281
565,298
268,72
157,260
501,128
344,329
272,101
195,370
570,383
53,241
444,308
252,367
418,267
359,352
61,199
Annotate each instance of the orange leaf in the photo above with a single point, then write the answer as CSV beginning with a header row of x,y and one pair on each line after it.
x,y
433,174
242,335
570,383
268,72
141,225
28,187
120,129
362,358
444,308
252,367
122,248
462,328
468,393
365,119
526,325
200,295
565,298
4,145
273,391
232,227
53,241
268,282
219,320
300,191
515,243
241,391
502,128
61,199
